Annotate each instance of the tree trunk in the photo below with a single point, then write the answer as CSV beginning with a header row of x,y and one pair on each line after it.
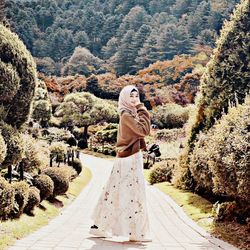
x,y
85,136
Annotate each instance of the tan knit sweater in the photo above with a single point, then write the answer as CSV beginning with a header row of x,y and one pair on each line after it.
x,y
131,132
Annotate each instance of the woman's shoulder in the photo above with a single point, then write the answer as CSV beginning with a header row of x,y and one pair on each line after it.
x,y
125,114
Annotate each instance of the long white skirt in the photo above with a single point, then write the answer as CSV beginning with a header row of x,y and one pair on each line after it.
x,y
121,209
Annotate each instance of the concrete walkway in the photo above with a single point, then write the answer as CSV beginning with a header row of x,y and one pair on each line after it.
x,y
171,229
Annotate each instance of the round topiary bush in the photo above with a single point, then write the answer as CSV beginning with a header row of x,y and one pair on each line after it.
x,y
21,190
69,171
161,171
14,144
77,165
3,149
33,200
7,197
60,179
18,74
45,184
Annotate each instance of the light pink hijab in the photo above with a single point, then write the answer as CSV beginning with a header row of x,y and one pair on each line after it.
x,y
123,102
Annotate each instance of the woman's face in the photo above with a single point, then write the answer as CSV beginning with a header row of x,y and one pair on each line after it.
x,y
134,98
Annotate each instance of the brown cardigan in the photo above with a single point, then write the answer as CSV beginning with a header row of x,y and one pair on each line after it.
x,y
131,132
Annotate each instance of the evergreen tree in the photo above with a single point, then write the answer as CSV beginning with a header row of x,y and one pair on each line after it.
x,y
198,20
133,21
125,55
111,48
148,53
137,44
110,27
180,7
227,74
226,80
60,44
44,18
81,39
2,11
173,40
207,37
84,109
52,28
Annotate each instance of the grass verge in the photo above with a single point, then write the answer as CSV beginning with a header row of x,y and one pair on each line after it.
x,y
12,230
200,210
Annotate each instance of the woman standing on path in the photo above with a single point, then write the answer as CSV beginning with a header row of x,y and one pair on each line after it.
x,y
121,209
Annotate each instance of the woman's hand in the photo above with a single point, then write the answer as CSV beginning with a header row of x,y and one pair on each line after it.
x,y
137,102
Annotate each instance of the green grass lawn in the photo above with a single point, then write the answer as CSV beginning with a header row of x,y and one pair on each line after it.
x,y
11,230
198,208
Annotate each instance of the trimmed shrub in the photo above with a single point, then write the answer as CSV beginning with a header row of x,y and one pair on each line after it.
x,y
33,200
199,165
231,211
45,184
21,190
170,116
170,135
222,155
42,110
58,149
82,143
57,134
68,171
7,198
10,82
32,153
77,165
3,149
14,144
161,171
108,134
60,179
227,73
18,69
182,177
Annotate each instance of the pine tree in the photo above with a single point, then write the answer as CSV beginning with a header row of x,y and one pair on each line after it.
x,y
148,53
198,20
137,44
228,73
2,13
226,80
111,48
173,40
124,56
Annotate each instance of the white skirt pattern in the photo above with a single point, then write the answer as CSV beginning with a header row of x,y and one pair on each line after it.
x,y
121,209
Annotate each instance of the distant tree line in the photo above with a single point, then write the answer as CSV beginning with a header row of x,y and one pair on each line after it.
x,y
122,36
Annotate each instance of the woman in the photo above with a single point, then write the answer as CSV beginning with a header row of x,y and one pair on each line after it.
x,y
121,209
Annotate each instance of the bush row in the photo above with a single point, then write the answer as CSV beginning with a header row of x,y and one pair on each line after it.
x,y
19,197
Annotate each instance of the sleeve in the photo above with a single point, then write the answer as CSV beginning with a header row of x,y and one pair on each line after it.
x,y
139,128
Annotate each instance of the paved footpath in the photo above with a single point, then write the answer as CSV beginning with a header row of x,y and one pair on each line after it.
x,y
171,229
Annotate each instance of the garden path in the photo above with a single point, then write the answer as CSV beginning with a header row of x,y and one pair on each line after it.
x,y
170,227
